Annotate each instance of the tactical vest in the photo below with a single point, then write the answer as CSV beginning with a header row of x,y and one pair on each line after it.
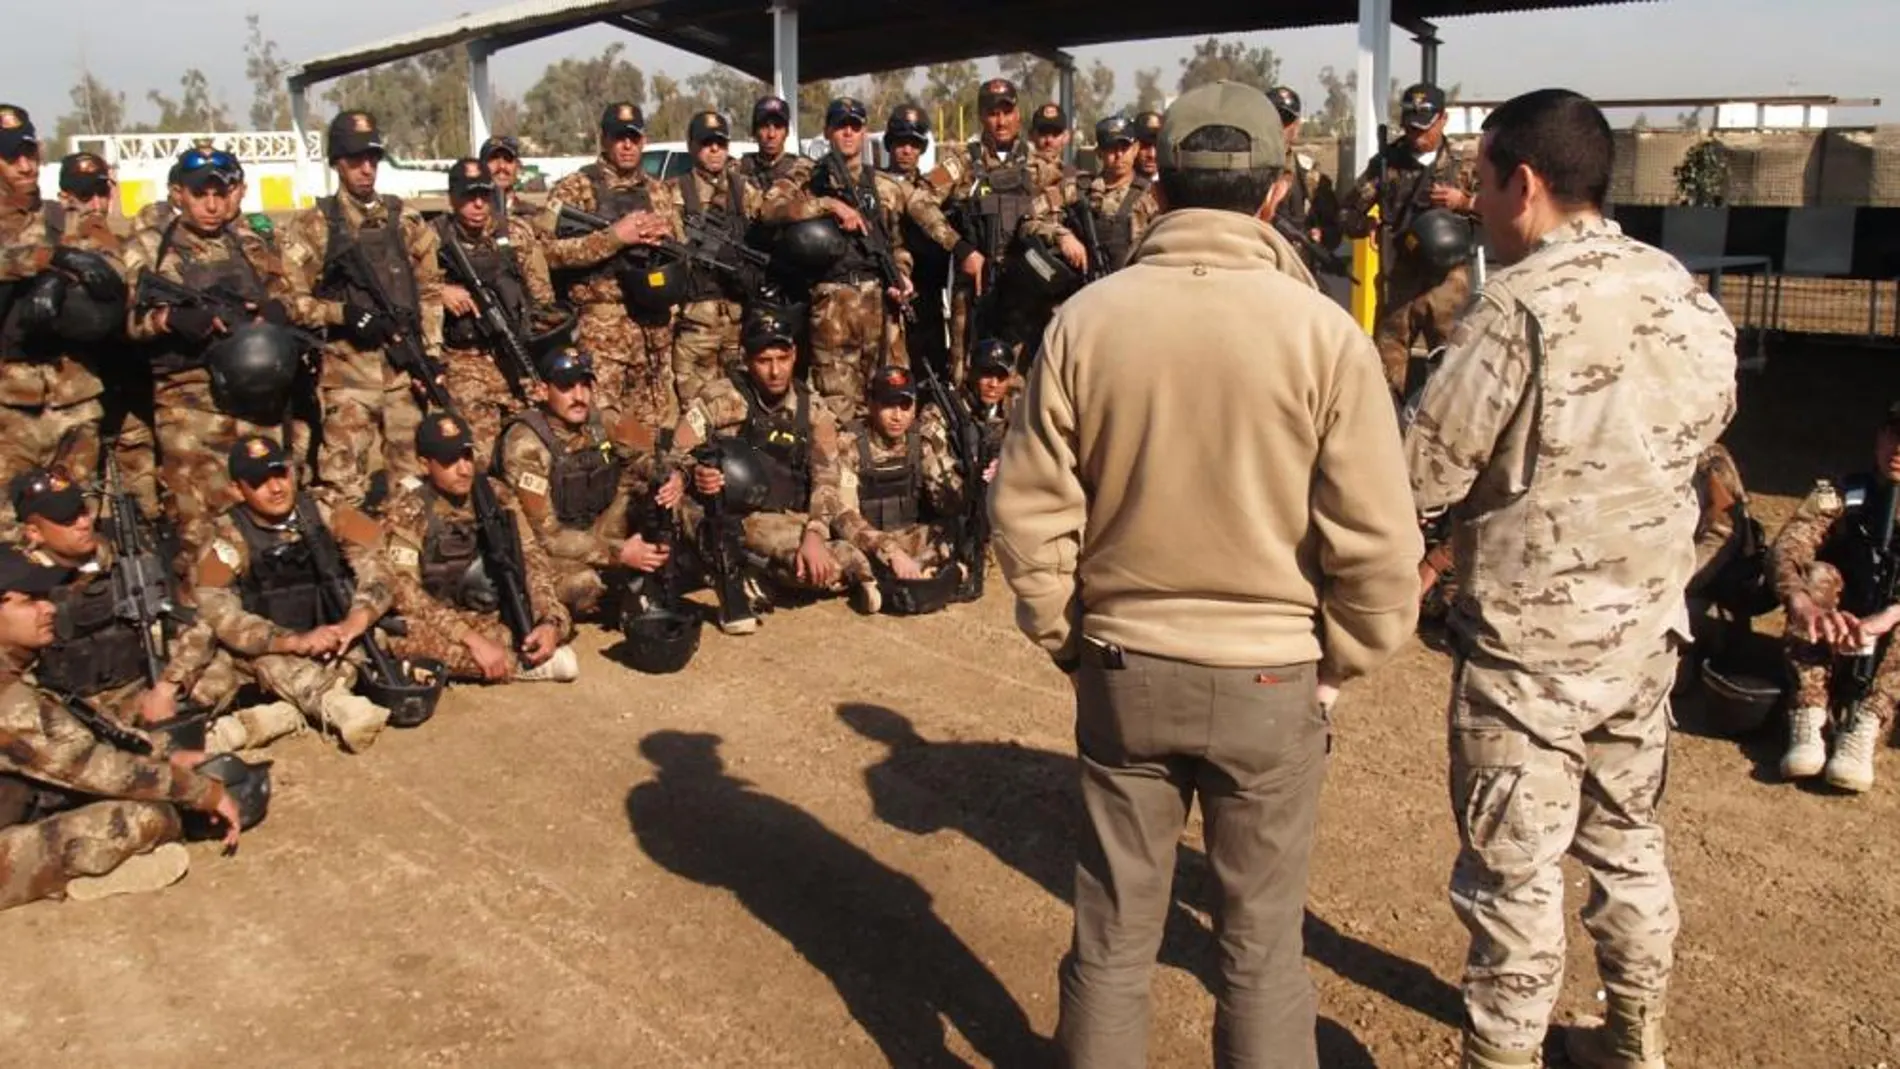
x,y
754,168
889,493
93,650
498,265
1001,197
703,283
1116,231
1407,190
283,584
388,262
1853,545
449,549
784,440
930,262
14,344
581,482
234,274
832,178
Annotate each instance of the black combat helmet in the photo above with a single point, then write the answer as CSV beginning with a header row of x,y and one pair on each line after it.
x,y
748,479
907,123
809,248
254,370
1439,238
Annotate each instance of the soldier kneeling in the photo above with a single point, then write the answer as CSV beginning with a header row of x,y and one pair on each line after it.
x,y
472,582
263,587
897,473
797,441
577,484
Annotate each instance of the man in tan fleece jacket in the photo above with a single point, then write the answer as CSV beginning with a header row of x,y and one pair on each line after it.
x,y
1205,517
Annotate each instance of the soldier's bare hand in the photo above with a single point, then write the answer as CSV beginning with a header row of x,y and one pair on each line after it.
x,y
905,566
540,644
707,480
1073,251
848,217
1451,197
670,491
815,563
989,471
490,656
640,555
158,704
226,811
187,759
1880,623
457,300
973,267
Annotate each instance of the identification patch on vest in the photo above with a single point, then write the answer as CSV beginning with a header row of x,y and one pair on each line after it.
x,y
226,553
534,484
656,279
405,557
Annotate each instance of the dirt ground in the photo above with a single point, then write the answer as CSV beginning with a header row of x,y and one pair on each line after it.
x,y
847,842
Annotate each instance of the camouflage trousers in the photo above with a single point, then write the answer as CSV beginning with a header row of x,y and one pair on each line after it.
x,y
127,424
195,441
216,686
631,372
301,681
776,537
38,859
451,652
705,345
579,585
848,343
922,543
1417,310
481,395
360,428
1813,664
1544,765
37,437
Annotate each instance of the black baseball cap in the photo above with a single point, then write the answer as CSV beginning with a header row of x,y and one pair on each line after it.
x,y
20,575
500,145
567,367
845,110
469,177
1285,101
48,493
353,133
1115,130
1421,105
17,136
892,385
991,356
1147,126
771,110
444,438
996,93
623,118
907,121
1893,417
764,328
83,174
708,126
255,458
1049,119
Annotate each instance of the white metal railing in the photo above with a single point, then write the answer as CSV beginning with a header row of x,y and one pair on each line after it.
x,y
268,146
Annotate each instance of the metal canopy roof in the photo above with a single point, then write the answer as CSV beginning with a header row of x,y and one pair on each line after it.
x,y
837,38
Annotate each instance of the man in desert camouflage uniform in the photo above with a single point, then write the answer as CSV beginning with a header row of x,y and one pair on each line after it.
x,y
1826,566
50,389
897,475
80,817
501,154
578,482
775,161
259,592
368,404
199,247
632,347
433,549
852,304
906,135
1564,428
993,398
1311,206
507,260
1417,172
1147,129
1121,202
716,197
798,439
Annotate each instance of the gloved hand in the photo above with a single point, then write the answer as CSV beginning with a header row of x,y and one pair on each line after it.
x,y
367,327
91,270
273,311
191,324
40,301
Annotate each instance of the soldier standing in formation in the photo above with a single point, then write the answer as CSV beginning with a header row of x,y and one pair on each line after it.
x,y
775,161
1120,201
906,136
367,268
716,197
1567,445
1420,292
1147,129
502,156
1311,206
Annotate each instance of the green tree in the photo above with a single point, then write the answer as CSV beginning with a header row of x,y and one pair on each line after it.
x,y
1094,96
1035,78
885,91
420,103
95,110
673,105
1148,93
730,92
813,99
950,97
270,99
1335,115
193,110
1216,60
562,108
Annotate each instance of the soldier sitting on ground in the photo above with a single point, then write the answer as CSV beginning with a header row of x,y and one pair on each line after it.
x,y
898,478
1835,578
81,817
577,482
993,397
260,589
448,576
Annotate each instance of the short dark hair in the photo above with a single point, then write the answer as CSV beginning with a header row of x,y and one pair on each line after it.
x,y
1234,191
1560,135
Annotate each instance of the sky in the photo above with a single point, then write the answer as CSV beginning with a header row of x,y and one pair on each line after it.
x,y
1688,48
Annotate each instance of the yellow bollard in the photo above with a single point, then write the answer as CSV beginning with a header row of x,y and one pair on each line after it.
x,y
1365,274
133,196
276,193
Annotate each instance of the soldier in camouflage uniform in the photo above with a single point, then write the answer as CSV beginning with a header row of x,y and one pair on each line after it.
x,y
906,135
1147,129
501,154
260,594
798,438
1826,565
507,260
200,247
851,305
1121,202
577,483
369,406
716,196
896,475
50,390
632,347
772,163
79,817
431,549
1421,171
994,397
1311,205
1564,429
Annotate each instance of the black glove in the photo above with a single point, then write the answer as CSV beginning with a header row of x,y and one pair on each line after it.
x,y
93,271
40,301
367,327
191,323
274,312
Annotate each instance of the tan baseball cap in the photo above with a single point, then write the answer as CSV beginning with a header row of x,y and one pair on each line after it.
x,y
1222,104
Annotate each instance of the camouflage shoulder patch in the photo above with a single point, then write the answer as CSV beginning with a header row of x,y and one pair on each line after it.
x,y
355,527
217,566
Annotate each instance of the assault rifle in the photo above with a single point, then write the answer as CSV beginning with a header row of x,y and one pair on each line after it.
x,y
1081,220
1317,255
518,366
1886,589
659,526
231,307
831,180
716,248
141,594
970,530
404,347
722,544
335,588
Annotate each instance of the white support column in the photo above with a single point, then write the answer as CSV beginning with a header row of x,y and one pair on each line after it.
x,y
481,94
1065,96
307,177
785,62
1374,72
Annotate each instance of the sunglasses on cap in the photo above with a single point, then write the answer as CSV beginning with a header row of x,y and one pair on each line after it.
x,y
506,147
219,163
